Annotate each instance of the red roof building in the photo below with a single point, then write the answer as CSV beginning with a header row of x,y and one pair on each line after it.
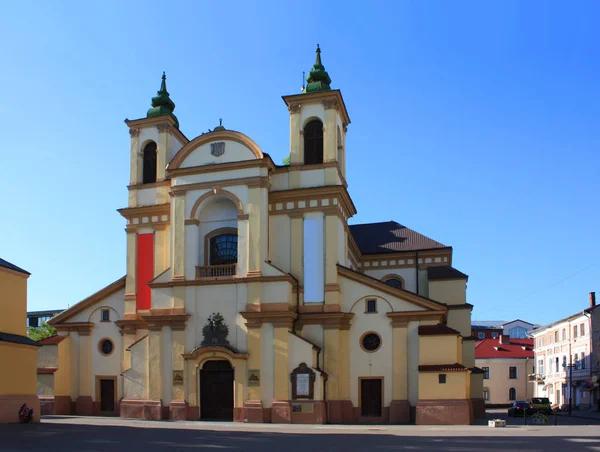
x,y
507,364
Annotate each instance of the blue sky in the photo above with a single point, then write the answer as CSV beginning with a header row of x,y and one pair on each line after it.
x,y
475,123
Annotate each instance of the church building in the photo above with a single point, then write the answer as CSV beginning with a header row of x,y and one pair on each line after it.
x,y
248,297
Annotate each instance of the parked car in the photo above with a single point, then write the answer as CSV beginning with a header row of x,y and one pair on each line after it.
x,y
542,404
521,408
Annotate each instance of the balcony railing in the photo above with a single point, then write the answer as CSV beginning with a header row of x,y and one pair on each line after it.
x,y
216,271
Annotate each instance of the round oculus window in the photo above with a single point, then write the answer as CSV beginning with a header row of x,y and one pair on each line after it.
x,y
106,347
371,342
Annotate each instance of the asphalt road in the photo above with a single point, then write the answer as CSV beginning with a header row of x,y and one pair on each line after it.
x,y
110,434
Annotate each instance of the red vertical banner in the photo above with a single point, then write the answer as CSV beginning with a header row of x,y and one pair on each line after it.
x,y
145,270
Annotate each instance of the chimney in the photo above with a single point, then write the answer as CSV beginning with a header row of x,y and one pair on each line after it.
x,y
592,299
504,339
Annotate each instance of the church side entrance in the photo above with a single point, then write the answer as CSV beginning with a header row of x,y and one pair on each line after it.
x,y
216,391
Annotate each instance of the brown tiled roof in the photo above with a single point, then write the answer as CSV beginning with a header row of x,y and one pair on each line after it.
x,y
443,368
437,330
476,370
445,272
52,340
390,237
46,370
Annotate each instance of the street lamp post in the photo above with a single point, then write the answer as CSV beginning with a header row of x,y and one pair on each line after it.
x,y
570,367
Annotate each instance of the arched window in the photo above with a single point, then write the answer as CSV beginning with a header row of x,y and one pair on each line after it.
x,y
394,282
149,166
486,394
313,142
512,394
223,249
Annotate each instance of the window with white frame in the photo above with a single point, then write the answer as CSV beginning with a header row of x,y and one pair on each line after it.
x,y
512,372
575,331
486,373
582,329
564,334
541,366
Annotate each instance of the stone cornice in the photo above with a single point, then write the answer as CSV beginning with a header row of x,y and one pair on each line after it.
x,y
277,318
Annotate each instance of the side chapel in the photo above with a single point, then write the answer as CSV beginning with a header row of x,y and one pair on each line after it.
x,y
248,297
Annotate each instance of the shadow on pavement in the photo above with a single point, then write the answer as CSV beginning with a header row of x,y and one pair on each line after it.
x,y
56,437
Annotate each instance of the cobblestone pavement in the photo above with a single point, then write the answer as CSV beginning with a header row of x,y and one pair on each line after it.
x,y
114,434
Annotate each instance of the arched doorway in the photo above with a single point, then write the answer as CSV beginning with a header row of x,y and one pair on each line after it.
x,y
216,391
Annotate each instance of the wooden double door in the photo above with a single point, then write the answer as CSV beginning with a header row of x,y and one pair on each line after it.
x,y
371,397
216,391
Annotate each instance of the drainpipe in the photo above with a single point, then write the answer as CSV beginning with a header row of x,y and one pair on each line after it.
x,y
297,284
417,270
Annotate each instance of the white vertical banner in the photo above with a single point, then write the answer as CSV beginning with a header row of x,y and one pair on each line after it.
x,y
314,258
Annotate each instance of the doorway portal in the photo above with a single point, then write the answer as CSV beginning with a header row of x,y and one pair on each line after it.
x,y
216,391
371,397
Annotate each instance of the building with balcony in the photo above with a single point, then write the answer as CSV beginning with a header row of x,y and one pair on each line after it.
x,y
249,297
506,364
566,361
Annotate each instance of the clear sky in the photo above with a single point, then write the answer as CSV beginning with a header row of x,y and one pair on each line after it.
x,y
475,123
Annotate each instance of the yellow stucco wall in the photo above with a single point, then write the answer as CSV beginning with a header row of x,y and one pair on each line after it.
x,y
451,291
460,320
13,302
21,362
457,386
62,377
499,384
440,350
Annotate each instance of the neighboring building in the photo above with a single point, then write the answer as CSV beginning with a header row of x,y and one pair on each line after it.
x,y
518,329
248,297
563,343
17,351
507,364
36,318
486,330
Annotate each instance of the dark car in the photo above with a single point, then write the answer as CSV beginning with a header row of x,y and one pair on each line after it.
x,y
542,404
521,408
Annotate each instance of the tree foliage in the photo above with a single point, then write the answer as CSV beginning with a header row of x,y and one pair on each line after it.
x,y
41,332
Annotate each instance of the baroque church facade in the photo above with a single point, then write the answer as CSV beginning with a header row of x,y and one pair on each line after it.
x,y
249,298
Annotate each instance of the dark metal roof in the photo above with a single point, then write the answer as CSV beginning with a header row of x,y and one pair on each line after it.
x,y
10,266
44,313
456,367
445,272
437,330
390,237
17,339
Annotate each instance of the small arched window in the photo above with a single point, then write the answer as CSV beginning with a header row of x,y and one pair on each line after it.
x,y
486,394
313,142
223,249
394,282
512,394
149,166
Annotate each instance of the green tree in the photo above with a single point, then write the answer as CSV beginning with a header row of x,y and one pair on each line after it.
x,y
41,332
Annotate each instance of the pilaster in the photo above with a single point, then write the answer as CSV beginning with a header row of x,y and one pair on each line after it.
x,y
330,132
179,237
134,157
130,287
297,237
255,256
295,136
254,359
282,362
178,361
154,360
163,148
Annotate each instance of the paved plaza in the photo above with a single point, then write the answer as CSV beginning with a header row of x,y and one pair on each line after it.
x,y
113,434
